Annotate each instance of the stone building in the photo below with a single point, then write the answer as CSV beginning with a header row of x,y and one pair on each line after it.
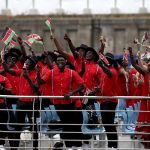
x,y
120,29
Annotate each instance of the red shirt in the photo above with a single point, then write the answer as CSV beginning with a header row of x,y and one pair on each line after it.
x,y
14,80
5,82
132,87
76,62
62,83
146,86
92,75
108,85
24,86
19,65
45,88
122,85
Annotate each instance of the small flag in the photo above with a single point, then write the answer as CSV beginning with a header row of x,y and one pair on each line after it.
x,y
102,57
12,44
48,23
145,37
33,38
39,41
8,35
29,42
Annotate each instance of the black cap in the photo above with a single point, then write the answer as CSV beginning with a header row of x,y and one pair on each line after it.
x,y
15,50
82,46
95,53
13,54
109,56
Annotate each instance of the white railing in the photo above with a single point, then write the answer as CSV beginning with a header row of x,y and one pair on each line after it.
x,y
44,137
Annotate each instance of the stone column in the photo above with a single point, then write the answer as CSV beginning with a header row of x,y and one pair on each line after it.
x,y
33,10
87,10
143,9
6,11
60,10
115,10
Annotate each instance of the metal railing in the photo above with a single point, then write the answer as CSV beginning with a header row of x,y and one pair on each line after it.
x,y
44,135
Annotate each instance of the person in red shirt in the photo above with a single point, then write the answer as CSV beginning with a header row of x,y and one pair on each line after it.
x,y
27,86
66,82
92,74
5,89
145,92
77,59
108,87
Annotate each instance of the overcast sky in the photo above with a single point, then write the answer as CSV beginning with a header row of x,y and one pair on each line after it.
x,y
74,6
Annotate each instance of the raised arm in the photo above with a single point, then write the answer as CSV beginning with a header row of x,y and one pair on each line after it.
x,y
71,46
140,61
22,59
59,47
136,66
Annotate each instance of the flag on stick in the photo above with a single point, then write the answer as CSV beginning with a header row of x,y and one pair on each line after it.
x,y
7,36
48,23
12,44
33,38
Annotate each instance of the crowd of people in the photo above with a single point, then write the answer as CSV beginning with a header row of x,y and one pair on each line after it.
x,y
82,71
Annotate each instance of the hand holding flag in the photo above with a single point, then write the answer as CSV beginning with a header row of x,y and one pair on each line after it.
x,y
48,23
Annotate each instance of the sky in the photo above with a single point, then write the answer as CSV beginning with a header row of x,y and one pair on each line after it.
x,y
74,6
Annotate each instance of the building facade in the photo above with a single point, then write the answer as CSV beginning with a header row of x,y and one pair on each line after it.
x,y
120,29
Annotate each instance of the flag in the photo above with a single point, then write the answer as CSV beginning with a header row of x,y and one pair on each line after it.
x,y
29,42
39,41
8,35
48,23
33,38
145,37
102,57
12,44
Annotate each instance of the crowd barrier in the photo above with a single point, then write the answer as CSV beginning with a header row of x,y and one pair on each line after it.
x,y
46,127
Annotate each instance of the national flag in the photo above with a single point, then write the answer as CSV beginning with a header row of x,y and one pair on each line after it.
x,y
33,38
12,43
39,41
8,35
29,42
144,38
48,23
102,57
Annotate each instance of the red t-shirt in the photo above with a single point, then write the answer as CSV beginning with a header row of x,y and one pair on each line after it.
x,y
5,82
19,65
62,83
108,85
92,75
122,85
45,88
14,80
24,86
